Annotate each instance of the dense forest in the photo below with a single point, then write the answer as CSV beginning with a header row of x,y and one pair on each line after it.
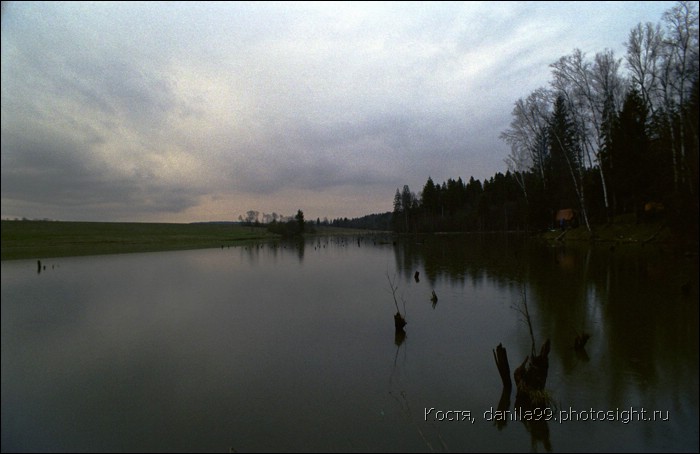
x,y
608,138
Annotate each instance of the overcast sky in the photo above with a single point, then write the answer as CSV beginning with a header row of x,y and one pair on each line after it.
x,y
181,112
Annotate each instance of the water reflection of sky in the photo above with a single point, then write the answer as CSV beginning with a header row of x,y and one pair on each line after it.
x,y
267,347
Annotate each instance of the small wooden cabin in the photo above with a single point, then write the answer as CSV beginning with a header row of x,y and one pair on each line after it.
x,y
565,218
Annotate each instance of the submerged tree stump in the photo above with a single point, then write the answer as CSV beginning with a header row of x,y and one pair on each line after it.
x,y
399,321
530,379
501,357
399,337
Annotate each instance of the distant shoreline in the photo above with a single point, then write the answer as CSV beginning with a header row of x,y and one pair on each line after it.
x,y
44,239
49,239
29,239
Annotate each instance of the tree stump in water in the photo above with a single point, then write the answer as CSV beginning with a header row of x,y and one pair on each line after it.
x,y
501,357
399,337
399,321
530,379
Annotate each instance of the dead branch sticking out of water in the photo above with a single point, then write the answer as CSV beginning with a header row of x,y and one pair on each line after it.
x,y
526,313
501,357
399,320
531,376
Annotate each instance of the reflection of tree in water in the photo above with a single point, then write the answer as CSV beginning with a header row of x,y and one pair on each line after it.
x,y
557,278
631,299
254,251
539,433
634,301
530,380
460,257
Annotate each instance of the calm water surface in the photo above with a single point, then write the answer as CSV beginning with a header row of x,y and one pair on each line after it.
x,y
292,347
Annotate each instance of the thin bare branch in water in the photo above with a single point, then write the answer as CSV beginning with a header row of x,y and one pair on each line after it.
x,y
526,313
399,320
404,305
394,288
406,409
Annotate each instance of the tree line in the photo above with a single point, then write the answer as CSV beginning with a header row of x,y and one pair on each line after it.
x,y
291,225
607,137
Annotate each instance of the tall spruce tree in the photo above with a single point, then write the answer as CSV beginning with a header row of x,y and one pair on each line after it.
x,y
567,160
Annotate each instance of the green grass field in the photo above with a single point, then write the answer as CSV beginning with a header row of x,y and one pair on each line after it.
x,y
42,239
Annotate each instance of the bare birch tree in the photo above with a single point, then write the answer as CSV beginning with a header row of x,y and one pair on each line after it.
x,y
644,53
680,53
587,87
663,64
525,134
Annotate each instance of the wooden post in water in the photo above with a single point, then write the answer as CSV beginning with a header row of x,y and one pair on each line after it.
x,y
501,357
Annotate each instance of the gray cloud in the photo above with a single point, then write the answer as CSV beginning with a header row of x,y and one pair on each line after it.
x,y
184,111
64,176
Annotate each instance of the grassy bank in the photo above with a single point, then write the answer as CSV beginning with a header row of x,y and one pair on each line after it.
x,y
620,232
42,239
625,230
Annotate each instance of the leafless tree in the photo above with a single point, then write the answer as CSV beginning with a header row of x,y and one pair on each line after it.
x,y
587,87
680,52
663,63
644,61
524,136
